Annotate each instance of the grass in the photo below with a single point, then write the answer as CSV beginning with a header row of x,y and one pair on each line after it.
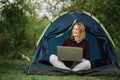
x,y
13,69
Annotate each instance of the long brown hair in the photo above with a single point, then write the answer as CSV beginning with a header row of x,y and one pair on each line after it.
x,y
82,31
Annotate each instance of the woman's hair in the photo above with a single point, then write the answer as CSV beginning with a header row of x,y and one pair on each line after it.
x,y
81,28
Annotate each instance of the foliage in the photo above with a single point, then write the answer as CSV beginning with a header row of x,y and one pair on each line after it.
x,y
13,27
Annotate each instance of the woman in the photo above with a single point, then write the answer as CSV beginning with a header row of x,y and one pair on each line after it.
x,y
77,40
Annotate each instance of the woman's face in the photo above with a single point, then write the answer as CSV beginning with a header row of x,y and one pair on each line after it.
x,y
76,31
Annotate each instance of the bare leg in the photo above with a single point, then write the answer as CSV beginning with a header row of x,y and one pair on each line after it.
x,y
85,65
57,63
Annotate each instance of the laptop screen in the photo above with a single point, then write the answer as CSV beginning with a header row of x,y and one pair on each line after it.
x,y
70,53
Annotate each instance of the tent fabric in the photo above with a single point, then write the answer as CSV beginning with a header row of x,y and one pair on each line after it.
x,y
101,47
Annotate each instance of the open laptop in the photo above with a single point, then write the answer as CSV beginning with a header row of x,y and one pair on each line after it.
x,y
70,53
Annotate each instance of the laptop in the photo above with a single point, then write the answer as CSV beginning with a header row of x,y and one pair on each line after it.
x,y
70,53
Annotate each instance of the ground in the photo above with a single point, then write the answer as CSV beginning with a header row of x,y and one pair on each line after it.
x,y
13,69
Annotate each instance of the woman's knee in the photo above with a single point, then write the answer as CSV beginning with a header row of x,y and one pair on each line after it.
x,y
88,63
53,58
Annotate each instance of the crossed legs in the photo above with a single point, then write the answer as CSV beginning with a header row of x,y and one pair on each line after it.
x,y
59,64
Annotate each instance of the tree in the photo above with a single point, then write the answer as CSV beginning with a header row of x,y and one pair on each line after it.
x,y
13,24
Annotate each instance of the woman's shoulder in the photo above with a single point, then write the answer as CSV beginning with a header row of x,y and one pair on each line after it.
x,y
67,42
68,39
85,42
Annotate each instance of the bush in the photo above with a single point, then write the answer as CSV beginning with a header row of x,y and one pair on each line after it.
x,y
13,28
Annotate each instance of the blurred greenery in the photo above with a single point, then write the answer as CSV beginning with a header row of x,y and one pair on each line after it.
x,y
19,32
16,30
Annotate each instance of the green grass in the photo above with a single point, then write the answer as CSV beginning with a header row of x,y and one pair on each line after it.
x,y
13,69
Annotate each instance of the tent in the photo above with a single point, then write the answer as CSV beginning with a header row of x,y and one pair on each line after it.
x,y
102,53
